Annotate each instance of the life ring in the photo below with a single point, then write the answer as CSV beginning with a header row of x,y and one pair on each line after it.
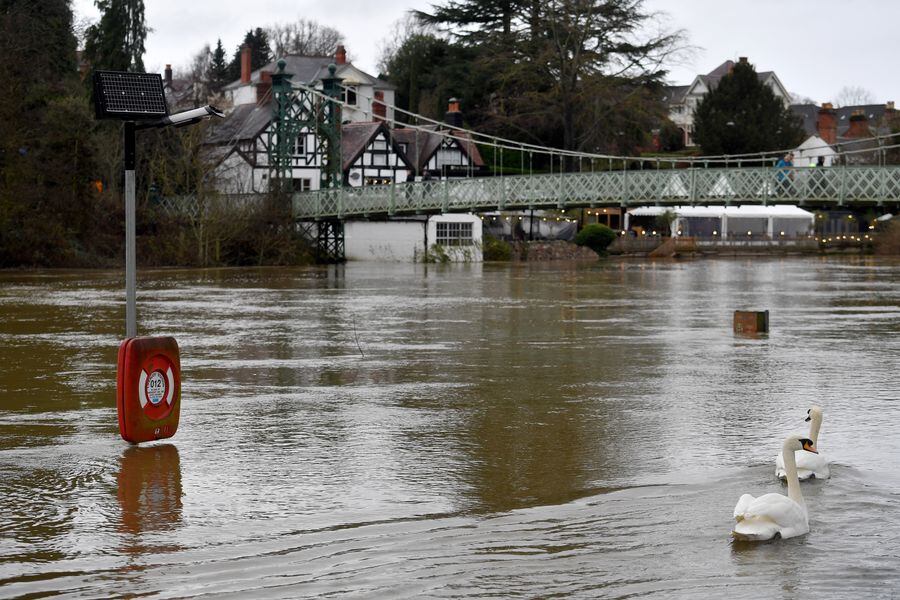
x,y
148,388
156,387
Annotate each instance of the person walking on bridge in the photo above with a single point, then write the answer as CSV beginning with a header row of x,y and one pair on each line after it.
x,y
785,173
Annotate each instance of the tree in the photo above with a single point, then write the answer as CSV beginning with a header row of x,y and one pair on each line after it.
x,y
48,214
260,53
853,95
304,37
743,115
578,74
218,69
478,21
402,30
428,70
116,42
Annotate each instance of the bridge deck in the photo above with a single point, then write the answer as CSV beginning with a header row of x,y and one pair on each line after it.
x,y
831,186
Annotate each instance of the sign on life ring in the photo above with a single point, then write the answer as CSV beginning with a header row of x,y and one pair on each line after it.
x,y
156,387
148,390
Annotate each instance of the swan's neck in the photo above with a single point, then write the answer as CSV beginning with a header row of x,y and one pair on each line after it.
x,y
790,469
814,423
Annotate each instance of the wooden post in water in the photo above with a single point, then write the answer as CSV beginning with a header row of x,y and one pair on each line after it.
x,y
751,322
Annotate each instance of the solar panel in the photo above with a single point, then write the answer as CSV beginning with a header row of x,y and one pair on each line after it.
x,y
129,96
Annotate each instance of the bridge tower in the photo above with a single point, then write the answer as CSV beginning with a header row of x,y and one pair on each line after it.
x,y
297,112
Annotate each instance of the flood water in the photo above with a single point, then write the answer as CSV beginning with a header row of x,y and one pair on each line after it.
x,y
403,431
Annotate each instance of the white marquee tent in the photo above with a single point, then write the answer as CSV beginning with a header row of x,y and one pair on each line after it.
x,y
732,221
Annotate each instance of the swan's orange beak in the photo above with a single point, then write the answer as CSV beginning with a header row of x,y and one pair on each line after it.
x,y
810,448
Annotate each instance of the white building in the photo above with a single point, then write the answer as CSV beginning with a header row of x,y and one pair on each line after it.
x,y
683,99
439,238
808,153
366,97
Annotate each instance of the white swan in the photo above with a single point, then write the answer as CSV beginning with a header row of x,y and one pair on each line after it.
x,y
808,465
775,514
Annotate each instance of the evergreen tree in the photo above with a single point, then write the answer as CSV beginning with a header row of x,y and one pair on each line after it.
x,y
478,21
743,115
260,53
48,214
116,42
218,69
578,74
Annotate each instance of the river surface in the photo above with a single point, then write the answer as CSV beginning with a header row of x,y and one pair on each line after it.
x,y
403,431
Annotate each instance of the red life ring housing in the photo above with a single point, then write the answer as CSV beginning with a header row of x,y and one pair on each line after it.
x,y
148,388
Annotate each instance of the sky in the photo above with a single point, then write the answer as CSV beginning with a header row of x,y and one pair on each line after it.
x,y
816,47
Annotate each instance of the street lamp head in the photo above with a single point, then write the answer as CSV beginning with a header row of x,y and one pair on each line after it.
x,y
187,117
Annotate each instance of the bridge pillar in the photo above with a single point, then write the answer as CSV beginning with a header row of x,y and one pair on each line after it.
x,y
330,241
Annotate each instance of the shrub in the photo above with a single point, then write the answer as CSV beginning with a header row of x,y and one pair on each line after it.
x,y
596,237
496,249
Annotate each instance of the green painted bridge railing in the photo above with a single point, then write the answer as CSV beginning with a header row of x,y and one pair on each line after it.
x,y
819,186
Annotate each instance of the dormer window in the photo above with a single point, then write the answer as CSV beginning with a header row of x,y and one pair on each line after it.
x,y
349,95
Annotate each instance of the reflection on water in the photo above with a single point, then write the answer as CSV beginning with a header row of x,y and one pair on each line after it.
x,y
149,491
468,430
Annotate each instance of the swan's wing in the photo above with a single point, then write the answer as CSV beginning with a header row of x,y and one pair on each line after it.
x,y
815,463
779,509
741,507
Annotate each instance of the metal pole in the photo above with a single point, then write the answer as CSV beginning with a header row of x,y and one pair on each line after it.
x,y
130,241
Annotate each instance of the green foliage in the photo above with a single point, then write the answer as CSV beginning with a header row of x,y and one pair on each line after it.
x,y
664,221
496,249
260,53
49,216
596,236
743,115
671,137
549,73
218,69
429,70
116,42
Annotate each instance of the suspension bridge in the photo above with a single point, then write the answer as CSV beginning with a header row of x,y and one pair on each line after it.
x,y
821,187
725,179
861,179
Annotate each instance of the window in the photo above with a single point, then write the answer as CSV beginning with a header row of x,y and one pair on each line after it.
x,y
454,234
379,160
301,185
300,145
379,145
349,96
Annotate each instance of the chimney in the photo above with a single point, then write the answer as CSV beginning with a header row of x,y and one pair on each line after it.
x,y
245,64
340,55
859,126
826,123
742,60
168,75
263,87
379,110
454,115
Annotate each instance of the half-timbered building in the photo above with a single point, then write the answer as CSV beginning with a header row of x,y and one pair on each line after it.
x,y
440,153
371,156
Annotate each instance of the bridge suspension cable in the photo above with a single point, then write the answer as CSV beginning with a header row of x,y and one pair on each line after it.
x,y
500,143
743,157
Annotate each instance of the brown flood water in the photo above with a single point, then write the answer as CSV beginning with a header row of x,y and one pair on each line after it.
x,y
402,431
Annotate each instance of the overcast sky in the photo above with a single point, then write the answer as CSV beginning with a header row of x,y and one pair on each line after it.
x,y
815,47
